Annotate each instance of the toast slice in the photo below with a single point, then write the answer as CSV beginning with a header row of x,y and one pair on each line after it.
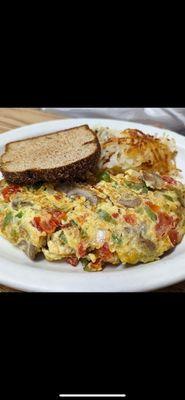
x,y
61,156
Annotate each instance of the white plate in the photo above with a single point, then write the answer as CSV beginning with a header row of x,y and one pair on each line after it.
x,y
17,271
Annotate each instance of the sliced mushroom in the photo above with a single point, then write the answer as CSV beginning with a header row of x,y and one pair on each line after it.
x,y
83,192
20,203
73,190
28,248
130,202
153,180
127,230
135,230
142,229
148,243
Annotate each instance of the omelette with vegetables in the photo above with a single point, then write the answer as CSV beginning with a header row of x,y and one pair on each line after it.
x,y
126,218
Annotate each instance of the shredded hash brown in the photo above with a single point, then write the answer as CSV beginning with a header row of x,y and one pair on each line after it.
x,y
131,148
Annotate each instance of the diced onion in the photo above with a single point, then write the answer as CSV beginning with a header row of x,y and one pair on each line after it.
x,y
100,237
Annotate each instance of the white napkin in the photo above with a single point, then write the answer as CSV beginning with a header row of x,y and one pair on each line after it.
x,y
169,118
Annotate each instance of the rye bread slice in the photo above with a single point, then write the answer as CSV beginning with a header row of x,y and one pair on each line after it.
x,y
60,156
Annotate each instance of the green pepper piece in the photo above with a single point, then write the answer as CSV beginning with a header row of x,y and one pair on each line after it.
x,y
150,213
137,186
83,233
105,216
84,262
139,210
7,219
105,177
74,222
116,239
63,238
168,197
19,215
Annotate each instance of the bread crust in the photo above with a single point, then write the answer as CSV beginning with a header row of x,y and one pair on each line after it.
x,y
68,173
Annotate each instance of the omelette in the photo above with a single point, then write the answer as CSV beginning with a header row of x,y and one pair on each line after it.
x,y
131,217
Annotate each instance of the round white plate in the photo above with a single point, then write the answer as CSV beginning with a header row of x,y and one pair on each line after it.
x,y
17,271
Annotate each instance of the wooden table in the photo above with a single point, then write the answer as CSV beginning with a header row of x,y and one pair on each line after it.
x,y
11,118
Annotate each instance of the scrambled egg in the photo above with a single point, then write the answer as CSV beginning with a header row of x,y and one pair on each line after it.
x,y
129,218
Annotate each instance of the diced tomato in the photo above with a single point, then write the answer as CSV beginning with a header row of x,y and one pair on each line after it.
x,y
104,252
115,215
36,223
9,190
174,237
57,215
169,180
44,226
130,219
72,260
153,207
48,226
6,194
165,223
58,196
81,250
